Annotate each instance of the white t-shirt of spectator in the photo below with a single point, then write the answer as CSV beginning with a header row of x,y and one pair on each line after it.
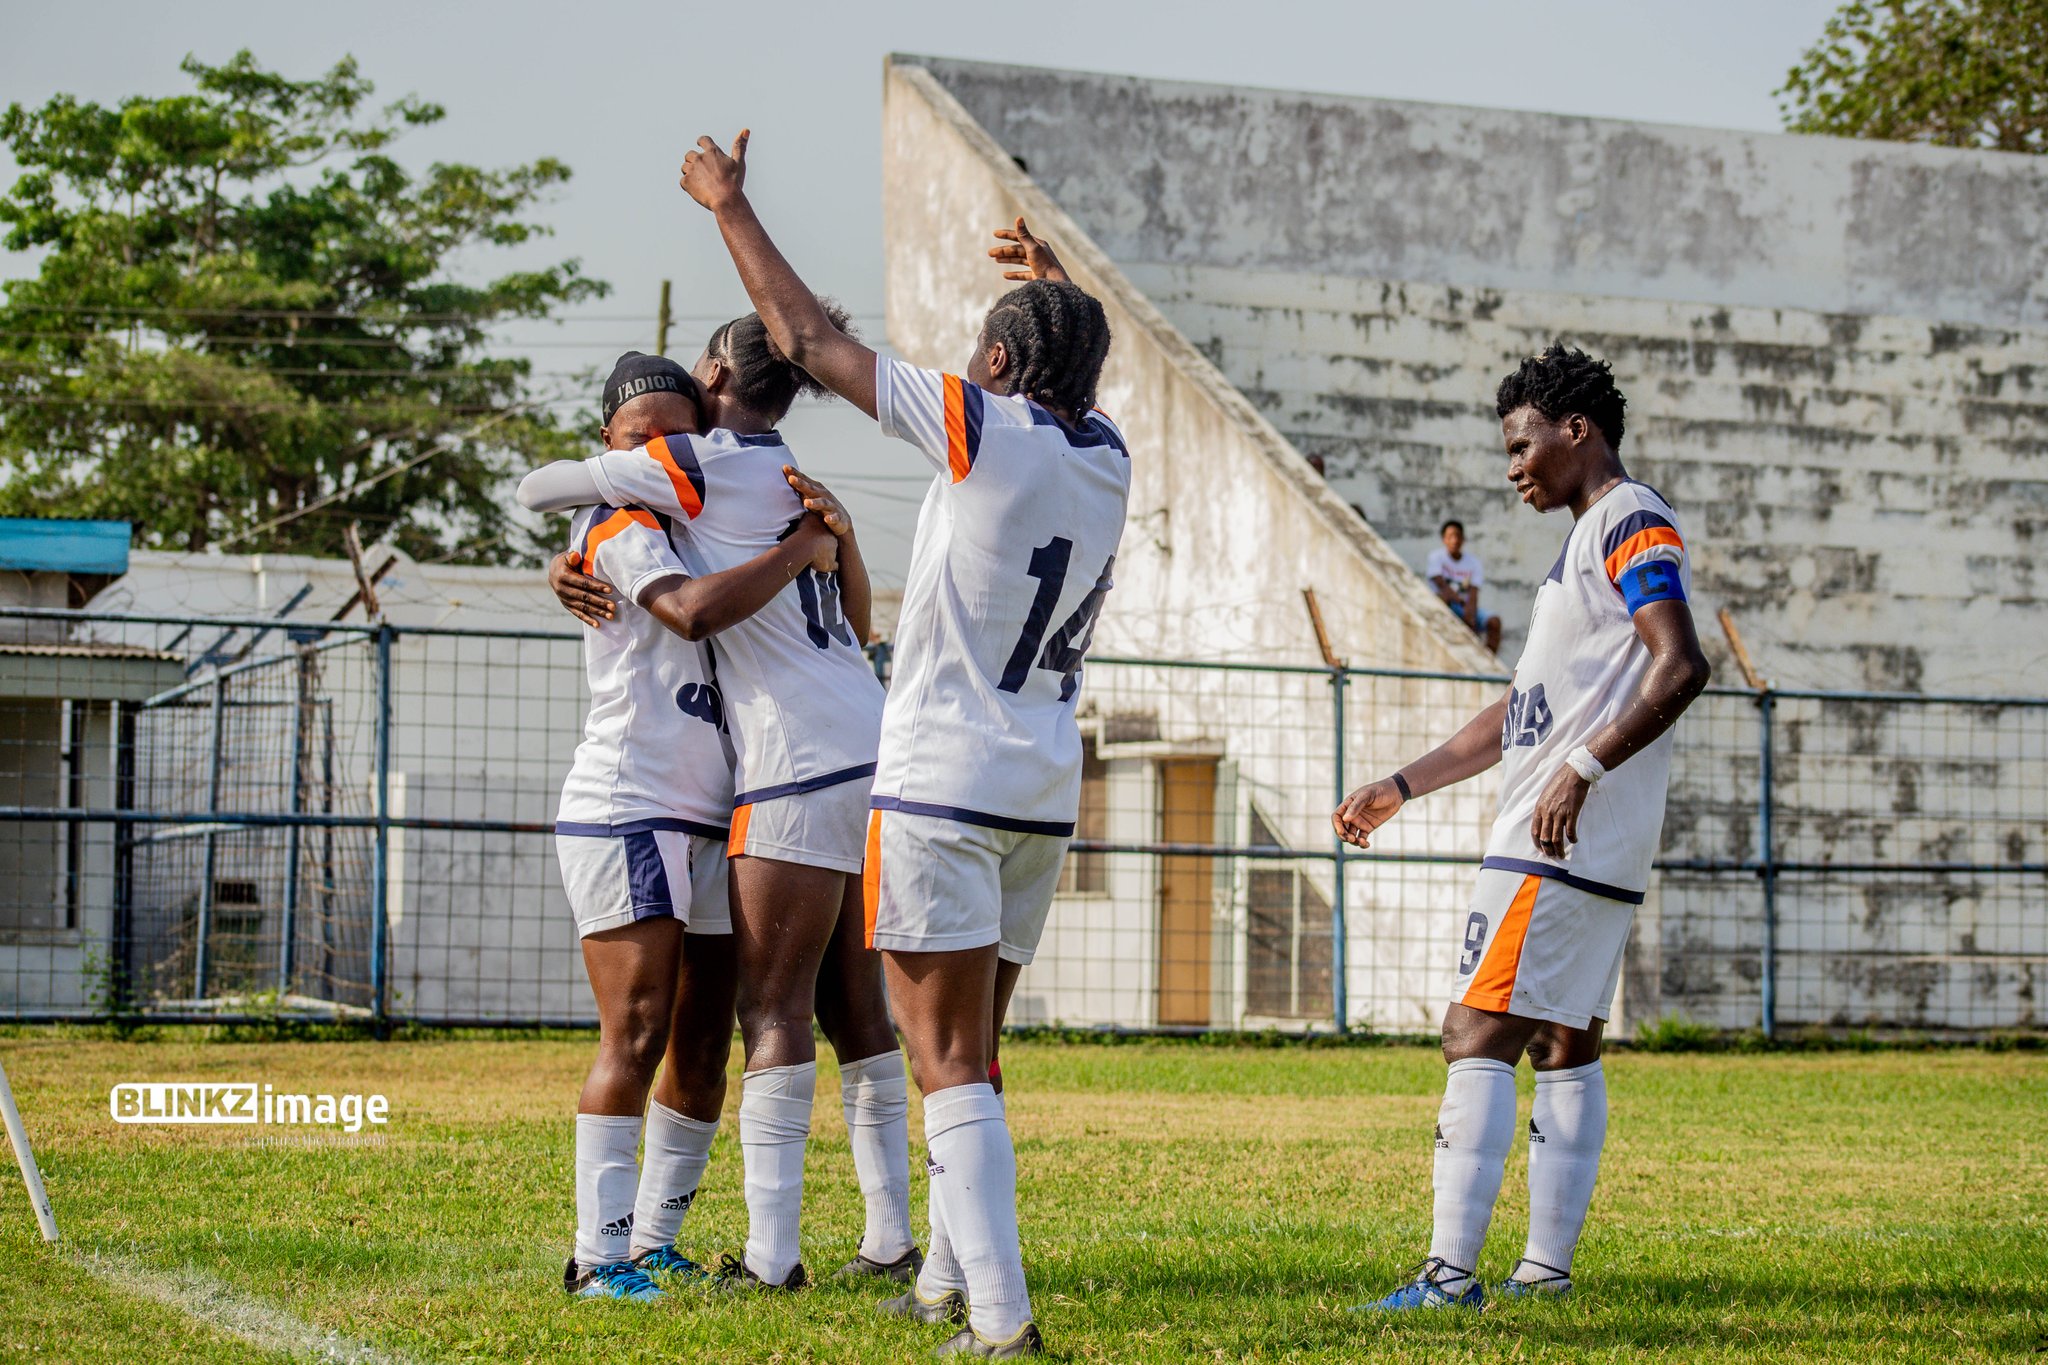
x,y
1463,572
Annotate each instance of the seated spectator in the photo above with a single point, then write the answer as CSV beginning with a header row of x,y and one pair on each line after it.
x,y
1457,577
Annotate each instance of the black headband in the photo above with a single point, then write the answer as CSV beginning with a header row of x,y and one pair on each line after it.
x,y
638,373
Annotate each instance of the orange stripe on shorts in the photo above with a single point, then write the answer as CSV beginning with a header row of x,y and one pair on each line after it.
x,y
1493,985
871,874
736,842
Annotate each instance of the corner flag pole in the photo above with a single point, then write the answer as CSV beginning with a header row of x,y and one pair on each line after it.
x,y
33,1178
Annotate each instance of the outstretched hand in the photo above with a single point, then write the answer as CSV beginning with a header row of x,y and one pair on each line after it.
x,y
1365,810
1034,254
713,178
821,500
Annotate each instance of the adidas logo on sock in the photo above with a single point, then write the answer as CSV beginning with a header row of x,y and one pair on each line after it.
x,y
680,1202
618,1227
1535,1133
1442,1143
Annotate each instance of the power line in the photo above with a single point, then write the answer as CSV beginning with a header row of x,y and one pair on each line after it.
x,y
438,448
369,319
294,341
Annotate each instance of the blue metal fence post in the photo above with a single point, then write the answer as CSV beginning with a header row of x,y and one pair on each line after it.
x,y
288,923
1768,851
217,750
380,863
1340,955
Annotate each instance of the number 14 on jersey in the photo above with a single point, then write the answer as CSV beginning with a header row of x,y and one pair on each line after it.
x,y
1064,652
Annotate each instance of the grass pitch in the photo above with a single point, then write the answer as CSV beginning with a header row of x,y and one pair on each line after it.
x,y
1179,1203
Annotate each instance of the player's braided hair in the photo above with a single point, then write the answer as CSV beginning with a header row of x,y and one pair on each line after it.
x,y
764,379
1057,338
1562,381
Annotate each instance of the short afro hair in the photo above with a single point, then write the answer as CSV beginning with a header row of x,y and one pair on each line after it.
x,y
1562,381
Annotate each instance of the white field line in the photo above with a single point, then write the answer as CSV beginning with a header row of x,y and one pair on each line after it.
x,y
205,1299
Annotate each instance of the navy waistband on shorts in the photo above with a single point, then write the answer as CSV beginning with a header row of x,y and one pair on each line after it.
x,y
1061,828
667,822
808,784
1536,869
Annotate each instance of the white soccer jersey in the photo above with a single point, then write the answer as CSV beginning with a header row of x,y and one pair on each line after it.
x,y
654,753
804,704
1582,666
1015,547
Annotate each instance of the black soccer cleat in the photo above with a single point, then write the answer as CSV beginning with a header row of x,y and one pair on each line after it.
x,y
968,1342
903,1270
736,1277
950,1306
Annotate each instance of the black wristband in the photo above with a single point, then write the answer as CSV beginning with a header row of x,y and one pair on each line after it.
x,y
1401,785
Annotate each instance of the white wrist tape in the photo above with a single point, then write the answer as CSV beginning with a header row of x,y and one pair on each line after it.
x,y
1582,762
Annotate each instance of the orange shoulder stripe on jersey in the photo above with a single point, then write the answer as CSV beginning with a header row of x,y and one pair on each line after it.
x,y
1636,544
618,521
689,485
736,841
871,874
956,428
1493,985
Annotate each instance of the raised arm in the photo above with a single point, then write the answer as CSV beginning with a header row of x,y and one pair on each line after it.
x,y
1034,254
1474,749
856,595
561,486
800,327
698,607
1678,672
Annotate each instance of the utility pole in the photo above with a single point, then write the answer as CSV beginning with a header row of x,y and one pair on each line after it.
x,y
661,323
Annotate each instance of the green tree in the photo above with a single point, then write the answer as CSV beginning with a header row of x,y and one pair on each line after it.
x,y
1959,73
243,316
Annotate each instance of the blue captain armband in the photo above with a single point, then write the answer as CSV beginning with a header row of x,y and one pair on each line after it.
x,y
1654,581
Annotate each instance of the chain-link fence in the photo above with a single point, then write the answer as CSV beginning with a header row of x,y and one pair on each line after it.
x,y
240,818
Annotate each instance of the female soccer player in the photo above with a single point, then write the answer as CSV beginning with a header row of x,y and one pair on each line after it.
x,y
806,712
979,777
1584,739
640,837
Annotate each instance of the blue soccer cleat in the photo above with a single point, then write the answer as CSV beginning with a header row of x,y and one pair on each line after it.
x,y
1554,1284
666,1263
1427,1290
621,1280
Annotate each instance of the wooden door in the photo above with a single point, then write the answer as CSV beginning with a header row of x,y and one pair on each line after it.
x,y
1187,815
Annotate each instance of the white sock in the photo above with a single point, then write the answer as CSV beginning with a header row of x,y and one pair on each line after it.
x,y
1567,1128
942,1270
775,1121
874,1093
1474,1130
607,1175
678,1148
974,1182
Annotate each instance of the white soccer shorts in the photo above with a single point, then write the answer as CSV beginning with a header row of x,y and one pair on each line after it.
x,y
619,879
1540,948
936,885
823,828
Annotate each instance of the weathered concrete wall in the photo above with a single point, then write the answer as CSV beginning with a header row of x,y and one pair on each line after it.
x,y
1227,523
1866,494
1856,425
1269,180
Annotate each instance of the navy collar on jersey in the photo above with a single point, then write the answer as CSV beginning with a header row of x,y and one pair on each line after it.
x,y
1092,432
765,438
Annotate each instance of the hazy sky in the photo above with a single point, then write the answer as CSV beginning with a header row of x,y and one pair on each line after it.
x,y
620,91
